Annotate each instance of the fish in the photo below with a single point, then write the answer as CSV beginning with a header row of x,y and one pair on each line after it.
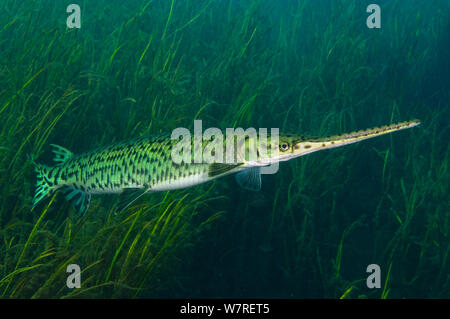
x,y
146,164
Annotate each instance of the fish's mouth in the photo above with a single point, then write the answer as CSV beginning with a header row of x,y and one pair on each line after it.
x,y
308,145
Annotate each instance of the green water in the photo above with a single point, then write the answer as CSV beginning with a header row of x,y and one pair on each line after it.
x,y
307,67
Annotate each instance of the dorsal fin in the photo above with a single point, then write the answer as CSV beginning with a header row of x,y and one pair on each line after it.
x,y
61,154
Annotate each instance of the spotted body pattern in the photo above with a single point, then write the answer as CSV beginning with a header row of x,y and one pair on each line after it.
x,y
146,163
138,163
143,162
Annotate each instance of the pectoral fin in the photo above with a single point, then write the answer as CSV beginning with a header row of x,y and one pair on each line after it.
x,y
250,179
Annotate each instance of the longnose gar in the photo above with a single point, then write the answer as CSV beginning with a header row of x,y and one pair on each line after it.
x,y
146,163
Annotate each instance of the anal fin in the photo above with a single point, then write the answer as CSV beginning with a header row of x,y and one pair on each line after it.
x,y
79,199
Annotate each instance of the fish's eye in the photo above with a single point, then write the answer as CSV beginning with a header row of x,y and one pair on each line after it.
x,y
284,147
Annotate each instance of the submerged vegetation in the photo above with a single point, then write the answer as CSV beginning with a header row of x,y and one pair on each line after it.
x,y
310,67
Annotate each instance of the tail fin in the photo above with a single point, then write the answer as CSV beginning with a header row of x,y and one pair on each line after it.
x,y
44,187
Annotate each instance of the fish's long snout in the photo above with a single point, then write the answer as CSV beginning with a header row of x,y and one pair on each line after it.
x,y
316,144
